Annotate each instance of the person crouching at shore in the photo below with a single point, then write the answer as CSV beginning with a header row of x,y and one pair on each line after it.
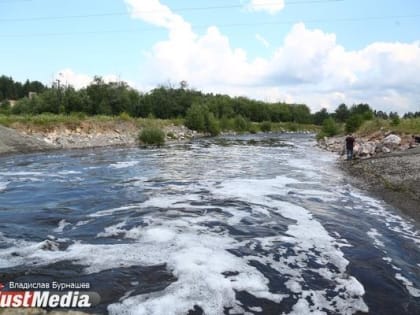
x,y
349,146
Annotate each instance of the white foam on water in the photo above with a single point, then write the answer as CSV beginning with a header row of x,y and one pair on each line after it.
x,y
309,240
393,222
198,256
111,211
3,186
375,235
62,173
124,164
409,285
23,174
113,230
61,226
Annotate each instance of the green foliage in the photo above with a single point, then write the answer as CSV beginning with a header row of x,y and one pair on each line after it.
x,y
5,108
265,126
407,126
329,127
320,116
196,117
353,123
240,124
253,128
395,119
199,118
124,116
152,136
342,113
362,110
212,125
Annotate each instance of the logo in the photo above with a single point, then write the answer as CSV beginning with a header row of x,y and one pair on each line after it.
x,y
46,299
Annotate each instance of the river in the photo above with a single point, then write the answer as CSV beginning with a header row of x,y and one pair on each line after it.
x,y
254,224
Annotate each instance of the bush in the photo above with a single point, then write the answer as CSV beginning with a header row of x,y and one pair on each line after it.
x,y
329,127
353,123
196,117
124,116
152,136
395,121
253,129
265,126
241,124
212,125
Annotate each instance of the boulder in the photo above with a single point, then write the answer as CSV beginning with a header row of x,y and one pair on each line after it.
x,y
385,150
367,149
392,141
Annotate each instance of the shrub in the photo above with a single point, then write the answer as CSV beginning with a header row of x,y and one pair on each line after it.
x,y
152,136
353,123
212,125
253,129
329,127
395,121
124,116
241,124
265,126
196,117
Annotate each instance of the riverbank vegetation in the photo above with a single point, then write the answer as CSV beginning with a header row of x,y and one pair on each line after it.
x,y
362,119
204,112
35,104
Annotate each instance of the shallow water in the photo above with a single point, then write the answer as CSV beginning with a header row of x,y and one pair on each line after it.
x,y
261,224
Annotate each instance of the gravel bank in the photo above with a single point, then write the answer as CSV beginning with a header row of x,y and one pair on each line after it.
x,y
25,139
394,177
12,141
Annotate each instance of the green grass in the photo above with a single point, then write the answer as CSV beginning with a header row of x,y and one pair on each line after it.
x,y
407,126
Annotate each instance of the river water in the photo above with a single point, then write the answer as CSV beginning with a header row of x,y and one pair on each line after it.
x,y
261,224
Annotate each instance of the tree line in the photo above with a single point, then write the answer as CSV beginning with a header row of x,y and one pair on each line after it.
x,y
201,111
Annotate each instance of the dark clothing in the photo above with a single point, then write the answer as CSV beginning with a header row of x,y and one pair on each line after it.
x,y
349,146
417,139
349,143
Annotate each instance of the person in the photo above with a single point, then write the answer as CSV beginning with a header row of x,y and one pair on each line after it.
x,y
349,146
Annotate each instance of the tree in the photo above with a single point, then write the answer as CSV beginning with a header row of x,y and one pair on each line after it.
x,y
320,116
342,113
329,127
353,123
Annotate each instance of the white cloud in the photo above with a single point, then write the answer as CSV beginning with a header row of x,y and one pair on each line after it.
x,y
80,80
69,77
270,6
309,67
262,40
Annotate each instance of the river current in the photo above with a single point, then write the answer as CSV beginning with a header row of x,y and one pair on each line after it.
x,y
259,224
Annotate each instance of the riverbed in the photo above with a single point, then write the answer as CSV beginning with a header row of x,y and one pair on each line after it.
x,y
255,224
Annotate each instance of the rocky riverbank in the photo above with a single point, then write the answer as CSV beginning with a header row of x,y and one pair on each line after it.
x,y
23,139
388,165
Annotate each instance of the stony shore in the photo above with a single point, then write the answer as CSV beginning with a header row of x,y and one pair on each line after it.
x,y
385,164
25,139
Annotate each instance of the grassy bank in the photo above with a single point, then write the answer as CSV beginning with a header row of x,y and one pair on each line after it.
x,y
404,126
46,122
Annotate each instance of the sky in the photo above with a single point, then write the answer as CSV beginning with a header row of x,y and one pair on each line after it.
x,y
318,52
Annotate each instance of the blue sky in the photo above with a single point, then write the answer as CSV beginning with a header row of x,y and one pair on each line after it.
x,y
318,52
